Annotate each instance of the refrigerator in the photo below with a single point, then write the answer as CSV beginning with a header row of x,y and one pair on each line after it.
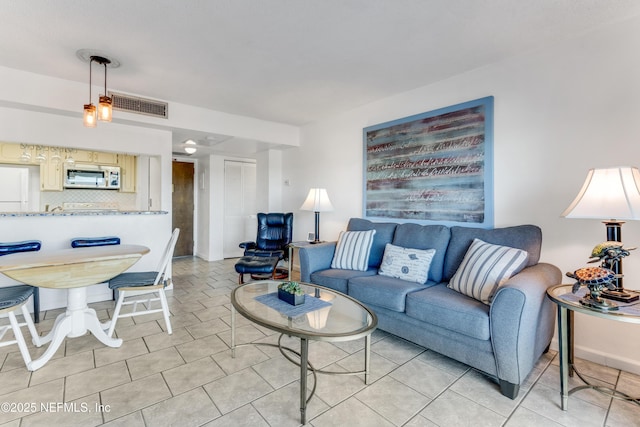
x,y
14,189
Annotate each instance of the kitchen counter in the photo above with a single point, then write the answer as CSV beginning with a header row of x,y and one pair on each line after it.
x,y
82,213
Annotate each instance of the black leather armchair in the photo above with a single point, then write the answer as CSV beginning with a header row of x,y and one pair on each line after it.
x,y
275,231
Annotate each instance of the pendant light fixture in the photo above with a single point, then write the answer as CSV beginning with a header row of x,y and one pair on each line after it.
x,y
104,106
104,110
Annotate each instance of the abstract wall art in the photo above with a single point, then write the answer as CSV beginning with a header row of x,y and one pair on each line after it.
x,y
432,167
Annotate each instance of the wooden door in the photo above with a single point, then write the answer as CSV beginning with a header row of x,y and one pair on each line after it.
x,y
183,173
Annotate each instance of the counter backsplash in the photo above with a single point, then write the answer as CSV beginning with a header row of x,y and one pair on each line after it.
x,y
125,201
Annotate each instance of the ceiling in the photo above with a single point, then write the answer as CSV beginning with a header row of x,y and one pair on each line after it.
x,y
289,61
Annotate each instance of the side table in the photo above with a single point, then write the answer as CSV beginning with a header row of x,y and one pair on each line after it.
x,y
294,268
568,304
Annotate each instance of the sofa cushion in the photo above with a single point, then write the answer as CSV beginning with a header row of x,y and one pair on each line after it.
x,y
352,250
406,263
525,237
387,292
425,237
384,234
484,268
448,309
338,279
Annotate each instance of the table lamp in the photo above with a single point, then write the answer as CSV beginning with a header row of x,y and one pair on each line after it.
x,y
611,195
317,201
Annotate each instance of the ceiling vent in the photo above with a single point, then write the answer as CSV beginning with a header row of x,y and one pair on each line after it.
x,y
134,104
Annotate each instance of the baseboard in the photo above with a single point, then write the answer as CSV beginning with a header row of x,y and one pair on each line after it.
x,y
605,359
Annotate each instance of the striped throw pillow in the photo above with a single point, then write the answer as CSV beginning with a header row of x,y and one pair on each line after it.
x,y
486,267
352,250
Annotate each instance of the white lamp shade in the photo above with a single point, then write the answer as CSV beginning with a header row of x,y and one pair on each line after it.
x,y
612,193
317,201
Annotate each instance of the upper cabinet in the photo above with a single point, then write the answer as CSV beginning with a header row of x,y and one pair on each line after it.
x,y
103,158
82,156
51,162
13,153
96,157
128,164
50,175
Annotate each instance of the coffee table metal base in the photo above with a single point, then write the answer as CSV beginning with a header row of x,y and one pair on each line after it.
x,y
304,364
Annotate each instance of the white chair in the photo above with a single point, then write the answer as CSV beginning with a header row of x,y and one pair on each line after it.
x,y
13,298
152,282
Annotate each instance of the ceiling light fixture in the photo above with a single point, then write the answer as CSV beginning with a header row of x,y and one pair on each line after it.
x,y
190,146
104,110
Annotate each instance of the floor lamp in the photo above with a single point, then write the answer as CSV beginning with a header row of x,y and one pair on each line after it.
x,y
611,195
317,201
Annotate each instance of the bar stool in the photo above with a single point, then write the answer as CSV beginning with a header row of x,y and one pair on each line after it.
x,y
25,246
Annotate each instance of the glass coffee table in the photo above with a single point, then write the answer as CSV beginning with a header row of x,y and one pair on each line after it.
x,y
326,315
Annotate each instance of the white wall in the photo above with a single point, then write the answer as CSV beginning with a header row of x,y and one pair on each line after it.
x,y
558,112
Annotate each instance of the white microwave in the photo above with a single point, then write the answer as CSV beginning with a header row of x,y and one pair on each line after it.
x,y
98,177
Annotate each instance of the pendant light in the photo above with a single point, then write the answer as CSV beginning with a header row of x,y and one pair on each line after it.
x,y
104,110
104,106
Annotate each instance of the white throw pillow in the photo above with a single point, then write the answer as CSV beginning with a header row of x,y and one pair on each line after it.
x,y
485,268
352,250
406,263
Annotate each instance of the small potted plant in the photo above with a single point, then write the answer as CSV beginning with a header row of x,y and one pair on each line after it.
x,y
291,292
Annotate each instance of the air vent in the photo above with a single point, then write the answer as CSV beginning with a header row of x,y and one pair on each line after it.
x,y
134,104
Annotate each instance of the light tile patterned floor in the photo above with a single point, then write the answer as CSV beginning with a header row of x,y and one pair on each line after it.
x,y
190,379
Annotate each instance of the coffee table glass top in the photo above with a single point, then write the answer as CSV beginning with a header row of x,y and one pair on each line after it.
x,y
344,319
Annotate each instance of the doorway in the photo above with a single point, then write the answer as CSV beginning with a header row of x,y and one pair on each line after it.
x,y
183,206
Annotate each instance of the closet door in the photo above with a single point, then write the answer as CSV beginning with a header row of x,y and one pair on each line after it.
x,y
239,206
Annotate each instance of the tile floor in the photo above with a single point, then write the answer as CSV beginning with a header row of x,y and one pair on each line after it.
x,y
190,379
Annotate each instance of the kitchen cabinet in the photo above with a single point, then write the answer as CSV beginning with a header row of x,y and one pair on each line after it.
x,y
128,164
94,157
51,169
11,153
51,175
103,158
81,156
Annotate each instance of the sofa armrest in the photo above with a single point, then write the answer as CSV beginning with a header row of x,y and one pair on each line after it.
x,y
314,258
522,321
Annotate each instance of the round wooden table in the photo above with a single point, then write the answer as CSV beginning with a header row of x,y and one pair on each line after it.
x,y
73,270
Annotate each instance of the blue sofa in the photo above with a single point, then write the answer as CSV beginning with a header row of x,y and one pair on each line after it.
x,y
503,339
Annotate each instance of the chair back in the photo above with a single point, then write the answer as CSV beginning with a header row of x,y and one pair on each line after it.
x,y
9,248
165,261
275,231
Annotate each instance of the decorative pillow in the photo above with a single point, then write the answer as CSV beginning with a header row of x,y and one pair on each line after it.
x,y
352,250
406,263
486,267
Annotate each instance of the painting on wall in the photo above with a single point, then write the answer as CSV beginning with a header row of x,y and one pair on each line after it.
x,y
432,167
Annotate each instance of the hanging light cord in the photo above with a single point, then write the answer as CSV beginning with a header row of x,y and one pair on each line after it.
x,y
105,78
90,63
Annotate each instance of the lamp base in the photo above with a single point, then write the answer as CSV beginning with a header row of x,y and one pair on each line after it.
x,y
622,295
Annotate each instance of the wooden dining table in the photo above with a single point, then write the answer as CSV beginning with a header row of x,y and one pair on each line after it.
x,y
73,270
